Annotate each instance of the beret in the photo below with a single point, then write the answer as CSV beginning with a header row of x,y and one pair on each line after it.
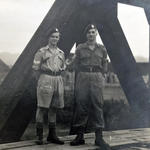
x,y
90,26
54,30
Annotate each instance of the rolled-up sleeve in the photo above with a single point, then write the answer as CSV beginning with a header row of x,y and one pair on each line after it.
x,y
37,61
63,62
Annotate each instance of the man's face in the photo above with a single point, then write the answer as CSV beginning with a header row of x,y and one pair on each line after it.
x,y
91,35
54,38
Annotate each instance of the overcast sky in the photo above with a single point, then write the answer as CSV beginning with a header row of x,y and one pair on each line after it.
x,y
19,19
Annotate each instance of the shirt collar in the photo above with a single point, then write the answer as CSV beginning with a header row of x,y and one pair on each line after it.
x,y
50,50
87,45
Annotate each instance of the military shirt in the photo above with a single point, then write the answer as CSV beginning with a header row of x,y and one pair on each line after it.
x,y
84,56
49,59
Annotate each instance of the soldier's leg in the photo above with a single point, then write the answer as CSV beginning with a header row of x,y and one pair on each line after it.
x,y
52,115
82,100
97,117
81,110
52,137
39,124
97,108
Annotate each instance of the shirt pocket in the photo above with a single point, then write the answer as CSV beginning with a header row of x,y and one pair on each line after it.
x,y
61,57
46,56
99,54
45,87
84,54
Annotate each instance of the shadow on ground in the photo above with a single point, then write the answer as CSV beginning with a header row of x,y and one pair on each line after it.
x,y
135,146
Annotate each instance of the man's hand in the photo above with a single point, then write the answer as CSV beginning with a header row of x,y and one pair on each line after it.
x,y
68,62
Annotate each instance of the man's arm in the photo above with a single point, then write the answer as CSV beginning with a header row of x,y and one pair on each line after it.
x,y
105,61
73,62
37,64
63,67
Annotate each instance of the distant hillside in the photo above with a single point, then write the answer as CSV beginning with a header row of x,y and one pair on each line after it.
x,y
141,59
4,69
9,58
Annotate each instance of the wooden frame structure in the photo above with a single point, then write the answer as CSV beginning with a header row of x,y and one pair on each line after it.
x,y
17,92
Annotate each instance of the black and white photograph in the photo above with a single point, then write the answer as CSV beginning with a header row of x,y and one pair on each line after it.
x,y
75,75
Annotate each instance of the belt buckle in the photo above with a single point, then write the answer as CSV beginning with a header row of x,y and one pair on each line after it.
x,y
91,69
55,73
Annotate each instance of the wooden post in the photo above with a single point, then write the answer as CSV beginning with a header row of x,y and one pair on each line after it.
x,y
125,66
147,13
104,15
17,92
149,59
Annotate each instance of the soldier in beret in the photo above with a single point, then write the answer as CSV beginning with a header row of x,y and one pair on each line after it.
x,y
90,63
48,64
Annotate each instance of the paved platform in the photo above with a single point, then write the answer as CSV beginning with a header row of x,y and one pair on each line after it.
x,y
133,139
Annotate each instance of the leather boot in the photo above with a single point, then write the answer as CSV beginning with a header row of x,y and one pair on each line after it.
x,y
99,141
79,140
52,137
39,133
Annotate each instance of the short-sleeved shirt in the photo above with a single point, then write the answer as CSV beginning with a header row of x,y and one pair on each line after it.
x,y
84,56
49,59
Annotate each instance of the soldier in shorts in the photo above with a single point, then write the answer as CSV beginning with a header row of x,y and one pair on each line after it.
x,y
48,64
